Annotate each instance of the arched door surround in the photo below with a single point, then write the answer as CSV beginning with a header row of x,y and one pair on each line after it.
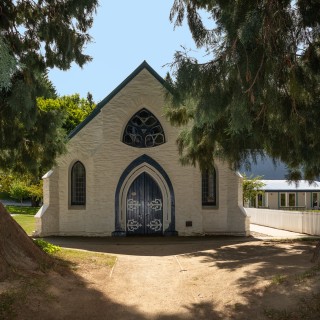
x,y
144,207
144,164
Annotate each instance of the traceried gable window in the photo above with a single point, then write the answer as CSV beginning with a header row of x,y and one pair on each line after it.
x,y
143,131
209,188
78,184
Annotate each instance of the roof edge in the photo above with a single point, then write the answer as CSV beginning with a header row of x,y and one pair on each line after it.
x,y
290,190
102,103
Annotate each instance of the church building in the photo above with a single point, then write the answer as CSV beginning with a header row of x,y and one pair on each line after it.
x,y
121,175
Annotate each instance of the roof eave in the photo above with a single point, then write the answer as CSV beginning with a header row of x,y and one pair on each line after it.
x,y
102,103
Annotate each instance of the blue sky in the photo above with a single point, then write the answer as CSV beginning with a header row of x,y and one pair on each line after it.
x,y
125,33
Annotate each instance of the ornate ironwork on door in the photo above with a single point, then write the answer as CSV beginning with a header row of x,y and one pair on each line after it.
x,y
143,130
144,206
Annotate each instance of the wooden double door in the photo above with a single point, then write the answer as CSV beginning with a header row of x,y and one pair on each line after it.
x,y
144,204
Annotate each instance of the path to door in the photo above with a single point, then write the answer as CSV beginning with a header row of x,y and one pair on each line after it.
x,y
262,232
189,278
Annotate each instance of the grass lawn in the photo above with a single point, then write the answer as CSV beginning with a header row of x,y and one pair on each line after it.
x,y
77,258
22,210
26,221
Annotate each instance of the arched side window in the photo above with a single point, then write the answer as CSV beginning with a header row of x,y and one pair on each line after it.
x,y
78,184
209,188
143,131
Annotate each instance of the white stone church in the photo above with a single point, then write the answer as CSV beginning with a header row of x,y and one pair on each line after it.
x,y
121,175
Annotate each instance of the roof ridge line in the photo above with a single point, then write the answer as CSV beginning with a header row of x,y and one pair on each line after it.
x,y
103,102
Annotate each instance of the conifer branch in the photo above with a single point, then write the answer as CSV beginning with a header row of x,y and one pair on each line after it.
x,y
256,76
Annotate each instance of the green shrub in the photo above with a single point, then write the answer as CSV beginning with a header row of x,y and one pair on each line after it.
x,y
46,246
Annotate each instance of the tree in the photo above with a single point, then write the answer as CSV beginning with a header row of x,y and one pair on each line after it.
x,y
30,186
35,192
18,190
17,250
258,92
5,182
36,35
74,108
252,187
8,65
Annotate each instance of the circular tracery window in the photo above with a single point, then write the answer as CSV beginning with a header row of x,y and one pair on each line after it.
x,y
143,131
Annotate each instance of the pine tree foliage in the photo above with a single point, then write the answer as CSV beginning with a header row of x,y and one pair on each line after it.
x,y
8,65
45,33
259,90
30,138
35,36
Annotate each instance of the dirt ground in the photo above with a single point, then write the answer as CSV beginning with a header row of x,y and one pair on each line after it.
x,y
181,278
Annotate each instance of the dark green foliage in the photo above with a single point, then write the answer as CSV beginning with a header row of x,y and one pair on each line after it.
x,y
8,65
259,89
39,35
48,33
30,138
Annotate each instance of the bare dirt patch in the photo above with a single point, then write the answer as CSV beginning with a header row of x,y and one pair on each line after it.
x,y
208,278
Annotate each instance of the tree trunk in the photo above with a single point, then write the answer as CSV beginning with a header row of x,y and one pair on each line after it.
x,y
17,251
35,202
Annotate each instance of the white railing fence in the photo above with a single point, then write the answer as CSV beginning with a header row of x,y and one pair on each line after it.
x,y
297,221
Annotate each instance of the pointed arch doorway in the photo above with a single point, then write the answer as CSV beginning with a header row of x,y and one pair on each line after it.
x,y
144,204
154,182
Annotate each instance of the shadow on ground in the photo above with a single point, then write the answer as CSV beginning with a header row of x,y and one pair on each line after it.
x,y
68,295
145,246
72,296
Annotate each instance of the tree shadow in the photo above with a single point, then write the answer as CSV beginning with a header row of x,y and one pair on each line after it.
x,y
270,259
147,246
72,296
268,254
283,266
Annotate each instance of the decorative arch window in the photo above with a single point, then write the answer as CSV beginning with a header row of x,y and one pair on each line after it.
x,y
209,188
78,184
143,131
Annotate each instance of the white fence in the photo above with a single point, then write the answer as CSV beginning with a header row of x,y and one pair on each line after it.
x,y
296,221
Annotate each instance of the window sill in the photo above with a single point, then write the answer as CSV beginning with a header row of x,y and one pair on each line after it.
x,y
209,207
77,207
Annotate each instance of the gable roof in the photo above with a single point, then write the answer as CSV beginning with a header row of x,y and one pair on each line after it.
x,y
283,185
102,103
